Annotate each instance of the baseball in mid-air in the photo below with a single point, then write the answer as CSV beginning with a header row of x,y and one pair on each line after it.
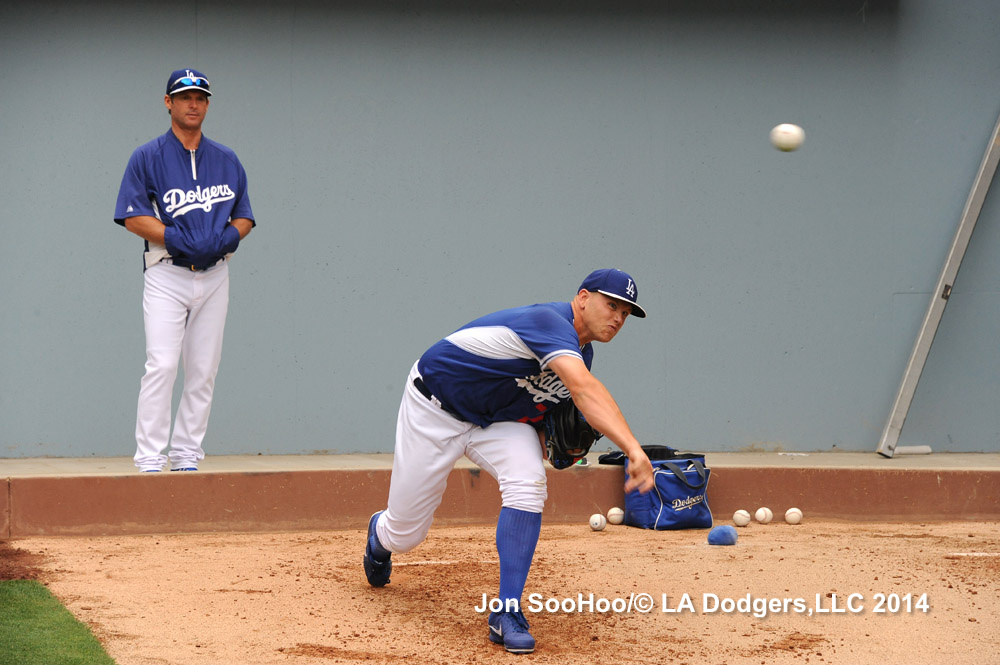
x,y
598,522
763,515
616,516
741,518
793,515
787,137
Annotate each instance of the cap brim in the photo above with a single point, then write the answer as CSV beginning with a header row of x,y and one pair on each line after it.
x,y
637,311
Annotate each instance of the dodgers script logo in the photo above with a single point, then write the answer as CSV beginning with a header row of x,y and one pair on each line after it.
x,y
687,503
178,202
544,387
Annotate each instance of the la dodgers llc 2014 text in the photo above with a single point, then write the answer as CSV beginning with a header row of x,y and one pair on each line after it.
x,y
821,604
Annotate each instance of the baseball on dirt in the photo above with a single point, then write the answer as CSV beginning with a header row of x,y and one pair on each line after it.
x,y
616,516
598,522
787,137
741,518
763,515
793,515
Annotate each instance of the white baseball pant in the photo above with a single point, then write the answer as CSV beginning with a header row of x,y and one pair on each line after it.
x,y
185,317
429,441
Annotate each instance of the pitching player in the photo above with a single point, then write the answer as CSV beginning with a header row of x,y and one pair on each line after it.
x,y
479,392
186,196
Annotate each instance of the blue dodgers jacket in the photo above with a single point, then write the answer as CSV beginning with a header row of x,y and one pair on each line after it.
x,y
195,193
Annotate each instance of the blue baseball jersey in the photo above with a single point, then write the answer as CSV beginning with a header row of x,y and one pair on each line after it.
x,y
199,191
495,368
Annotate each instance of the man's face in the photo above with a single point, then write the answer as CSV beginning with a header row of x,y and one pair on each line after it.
x,y
603,316
187,108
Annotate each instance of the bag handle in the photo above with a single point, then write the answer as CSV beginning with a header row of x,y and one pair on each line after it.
x,y
699,467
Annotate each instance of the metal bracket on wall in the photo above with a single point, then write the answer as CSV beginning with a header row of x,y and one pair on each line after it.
x,y
939,298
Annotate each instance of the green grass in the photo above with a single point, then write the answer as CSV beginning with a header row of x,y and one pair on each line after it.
x,y
35,629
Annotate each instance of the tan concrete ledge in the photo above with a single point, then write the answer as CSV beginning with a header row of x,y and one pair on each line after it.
x,y
259,493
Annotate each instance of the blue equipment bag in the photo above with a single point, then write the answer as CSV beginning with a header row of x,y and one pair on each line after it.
x,y
678,499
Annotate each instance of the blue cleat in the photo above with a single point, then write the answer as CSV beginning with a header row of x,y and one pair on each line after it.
x,y
376,571
511,630
186,468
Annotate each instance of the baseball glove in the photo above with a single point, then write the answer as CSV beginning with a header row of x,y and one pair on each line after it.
x,y
568,435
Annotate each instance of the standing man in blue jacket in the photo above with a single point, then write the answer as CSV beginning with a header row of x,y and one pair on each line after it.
x,y
186,196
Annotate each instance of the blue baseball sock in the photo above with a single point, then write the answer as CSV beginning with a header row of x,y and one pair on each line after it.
x,y
517,535
379,553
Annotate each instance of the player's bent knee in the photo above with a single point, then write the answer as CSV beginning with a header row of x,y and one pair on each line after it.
x,y
524,495
400,538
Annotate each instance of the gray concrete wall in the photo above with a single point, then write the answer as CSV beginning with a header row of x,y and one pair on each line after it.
x,y
416,164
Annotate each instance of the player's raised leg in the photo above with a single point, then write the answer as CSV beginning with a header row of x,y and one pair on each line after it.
x,y
428,443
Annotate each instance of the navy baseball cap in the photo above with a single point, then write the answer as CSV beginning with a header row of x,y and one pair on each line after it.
x,y
187,79
615,284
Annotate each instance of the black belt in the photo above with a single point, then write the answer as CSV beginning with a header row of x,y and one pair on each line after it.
x,y
422,388
184,263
